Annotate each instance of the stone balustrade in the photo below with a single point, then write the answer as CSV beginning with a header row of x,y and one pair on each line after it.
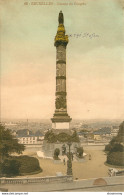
x,y
32,180
59,183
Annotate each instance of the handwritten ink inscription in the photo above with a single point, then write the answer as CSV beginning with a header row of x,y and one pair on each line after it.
x,y
84,35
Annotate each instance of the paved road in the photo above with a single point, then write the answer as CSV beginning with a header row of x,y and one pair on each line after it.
x,y
54,187
115,188
81,170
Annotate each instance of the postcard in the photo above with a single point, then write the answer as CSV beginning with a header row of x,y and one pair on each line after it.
x,y
62,96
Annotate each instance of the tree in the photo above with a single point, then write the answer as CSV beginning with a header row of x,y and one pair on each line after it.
x,y
115,148
8,143
121,132
14,165
56,153
116,158
50,137
108,147
75,137
10,167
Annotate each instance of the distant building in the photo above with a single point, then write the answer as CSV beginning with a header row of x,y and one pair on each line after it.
x,y
102,133
97,136
114,130
26,136
84,126
82,134
39,136
10,124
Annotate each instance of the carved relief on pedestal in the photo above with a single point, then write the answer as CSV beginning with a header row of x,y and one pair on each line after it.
x,y
60,102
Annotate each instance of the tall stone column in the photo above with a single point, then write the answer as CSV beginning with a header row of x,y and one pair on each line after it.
x,y
61,119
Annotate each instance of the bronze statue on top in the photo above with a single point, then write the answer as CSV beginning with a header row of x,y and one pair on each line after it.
x,y
61,18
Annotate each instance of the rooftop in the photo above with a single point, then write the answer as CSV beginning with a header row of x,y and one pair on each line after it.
x,y
28,133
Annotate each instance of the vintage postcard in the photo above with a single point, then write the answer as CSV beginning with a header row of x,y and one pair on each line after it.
x,y
62,96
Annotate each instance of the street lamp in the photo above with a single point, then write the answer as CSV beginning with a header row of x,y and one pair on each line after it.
x,y
69,163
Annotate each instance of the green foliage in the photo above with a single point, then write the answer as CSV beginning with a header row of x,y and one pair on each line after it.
x,y
46,137
10,167
56,153
28,164
19,165
121,131
120,137
61,137
8,143
116,158
50,137
108,147
115,148
115,140
74,137
80,152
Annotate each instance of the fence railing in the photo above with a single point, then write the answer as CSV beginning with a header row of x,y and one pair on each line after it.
x,y
31,180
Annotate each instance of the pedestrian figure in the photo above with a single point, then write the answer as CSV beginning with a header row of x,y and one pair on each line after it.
x,y
64,161
89,156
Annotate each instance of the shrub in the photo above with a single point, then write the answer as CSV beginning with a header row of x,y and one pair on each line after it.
x,y
10,167
56,153
80,152
121,131
117,148
115,140
50,137
63,137
75,137
28,164
116,158
108,147
19,165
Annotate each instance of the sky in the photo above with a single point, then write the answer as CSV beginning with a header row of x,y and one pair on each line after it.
x,y
95,59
